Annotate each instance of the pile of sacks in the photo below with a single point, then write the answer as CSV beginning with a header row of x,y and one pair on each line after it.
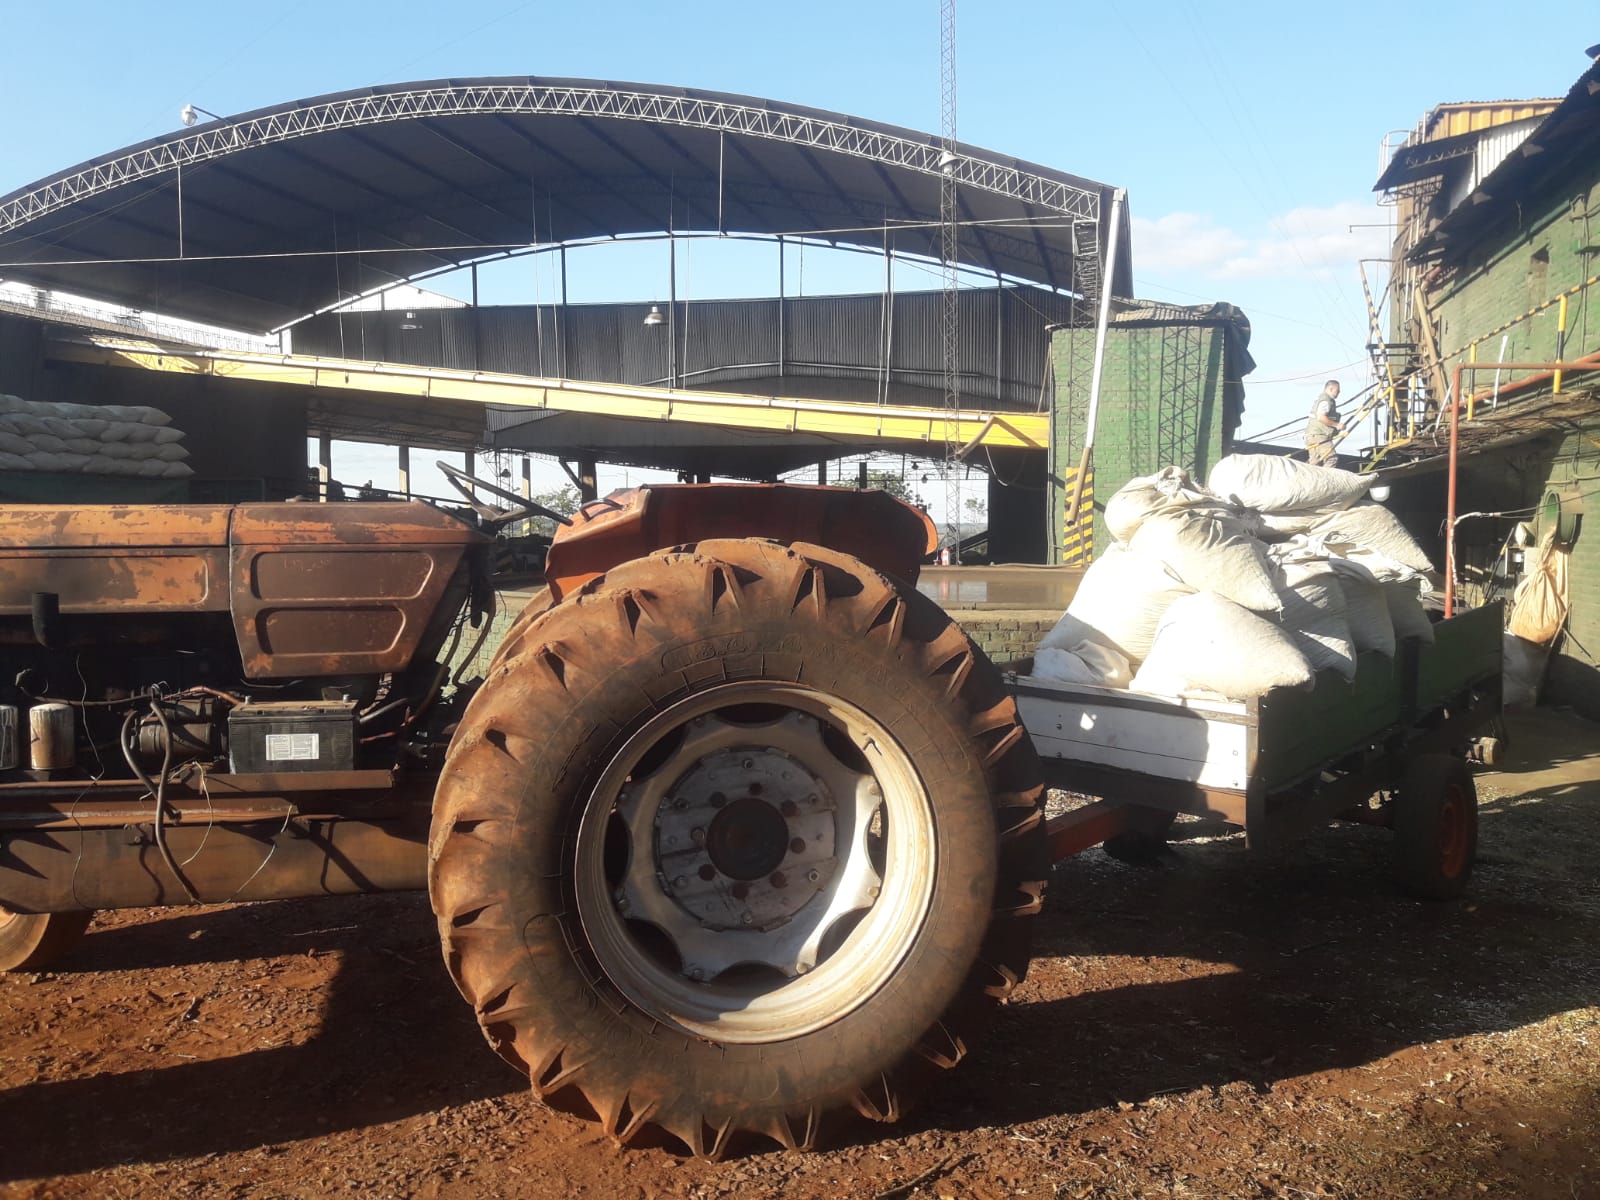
x,y
1274,572
110,439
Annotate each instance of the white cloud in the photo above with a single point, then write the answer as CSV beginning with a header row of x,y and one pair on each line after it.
x,y
1300,241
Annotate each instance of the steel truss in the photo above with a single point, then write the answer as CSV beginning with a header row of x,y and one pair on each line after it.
x,y
811,130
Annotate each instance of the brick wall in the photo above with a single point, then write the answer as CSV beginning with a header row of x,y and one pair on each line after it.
x,y
1006,634
1509,274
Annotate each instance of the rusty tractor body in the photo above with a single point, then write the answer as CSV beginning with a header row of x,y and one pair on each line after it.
x,y
738,832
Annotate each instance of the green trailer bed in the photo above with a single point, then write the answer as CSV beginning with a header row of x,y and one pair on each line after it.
x,y
1290,759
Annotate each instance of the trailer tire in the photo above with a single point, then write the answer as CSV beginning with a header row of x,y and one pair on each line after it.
x,y
631,938
1436,826
33,941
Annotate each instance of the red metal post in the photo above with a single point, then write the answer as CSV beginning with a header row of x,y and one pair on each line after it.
x,y
1450,499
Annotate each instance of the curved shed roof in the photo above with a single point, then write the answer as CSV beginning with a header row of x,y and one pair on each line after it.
x,y
259,219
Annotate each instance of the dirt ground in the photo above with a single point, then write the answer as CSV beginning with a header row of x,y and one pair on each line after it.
x,y
1232,1026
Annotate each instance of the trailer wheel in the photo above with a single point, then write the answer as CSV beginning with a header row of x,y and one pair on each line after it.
x,y
739,837
32,941
1436,826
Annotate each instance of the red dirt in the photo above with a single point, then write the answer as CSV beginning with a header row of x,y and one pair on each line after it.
x,y
1237,1026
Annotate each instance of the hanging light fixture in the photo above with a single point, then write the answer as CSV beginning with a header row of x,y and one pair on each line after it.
x,y
654,317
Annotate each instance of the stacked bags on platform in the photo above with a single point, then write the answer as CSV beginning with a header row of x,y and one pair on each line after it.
x,y
109,439
1277,570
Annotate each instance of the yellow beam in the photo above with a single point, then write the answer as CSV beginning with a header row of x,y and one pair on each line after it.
x,y
723,410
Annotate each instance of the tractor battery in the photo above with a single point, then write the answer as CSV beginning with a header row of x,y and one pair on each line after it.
x,y
292,735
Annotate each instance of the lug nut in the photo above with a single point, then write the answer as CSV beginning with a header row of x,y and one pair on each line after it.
x,y
779,879
813,875
718,799
740,890
788,808
797,846
697,836
708,872
755,789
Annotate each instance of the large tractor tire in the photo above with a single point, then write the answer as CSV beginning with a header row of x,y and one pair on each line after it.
x,y
740,837
33,941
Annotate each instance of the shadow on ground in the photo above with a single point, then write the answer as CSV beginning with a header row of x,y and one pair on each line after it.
x,y
1308,960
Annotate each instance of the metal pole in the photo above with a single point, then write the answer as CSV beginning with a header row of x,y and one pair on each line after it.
x,y
564,322
781,322
1107,272
324,463
405,470
1450,498
477,326
672,310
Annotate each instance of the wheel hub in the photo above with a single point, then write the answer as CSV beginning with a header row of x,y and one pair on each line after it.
x,y
765,863
745,837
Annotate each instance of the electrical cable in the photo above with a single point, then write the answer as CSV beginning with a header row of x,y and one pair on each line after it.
x,y
157,790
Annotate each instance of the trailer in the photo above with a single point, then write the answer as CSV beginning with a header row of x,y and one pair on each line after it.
x,y
1389,748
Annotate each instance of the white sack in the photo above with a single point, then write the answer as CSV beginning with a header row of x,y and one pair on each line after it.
x,y
13,444
1146,495
1208,642
1272,483
177,470
90,426
165,437
26,424
1279,527
1089,663
83,445
63,429
1119,603
1370,526
14,462
139,414
171,452
1313,614
1210,553
1406,613
1366,608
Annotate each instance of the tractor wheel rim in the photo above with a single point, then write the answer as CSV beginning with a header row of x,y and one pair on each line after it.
x,y
756,862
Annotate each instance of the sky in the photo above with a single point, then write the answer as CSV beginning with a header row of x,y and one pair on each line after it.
x,y
1248,136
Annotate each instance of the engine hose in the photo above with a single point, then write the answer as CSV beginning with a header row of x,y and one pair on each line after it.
x,y
159,790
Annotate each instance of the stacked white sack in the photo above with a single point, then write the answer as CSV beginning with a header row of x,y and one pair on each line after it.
x,y
1111,622
111,439
1342,576
1208,646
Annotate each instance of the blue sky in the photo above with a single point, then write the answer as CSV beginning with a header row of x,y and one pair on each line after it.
x,y
1247,135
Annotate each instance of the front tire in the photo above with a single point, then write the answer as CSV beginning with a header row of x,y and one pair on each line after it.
x,y
33,941
737,838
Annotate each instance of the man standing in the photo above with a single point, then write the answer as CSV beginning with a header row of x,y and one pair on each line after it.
x,y
1323,425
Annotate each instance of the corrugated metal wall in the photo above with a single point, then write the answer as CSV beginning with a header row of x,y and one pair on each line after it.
x,y
721,342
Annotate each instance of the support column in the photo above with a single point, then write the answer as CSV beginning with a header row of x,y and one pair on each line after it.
x,y
527,477
587,489
466,464
405,471
822,473
477,324
861,474
781,320
324,465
